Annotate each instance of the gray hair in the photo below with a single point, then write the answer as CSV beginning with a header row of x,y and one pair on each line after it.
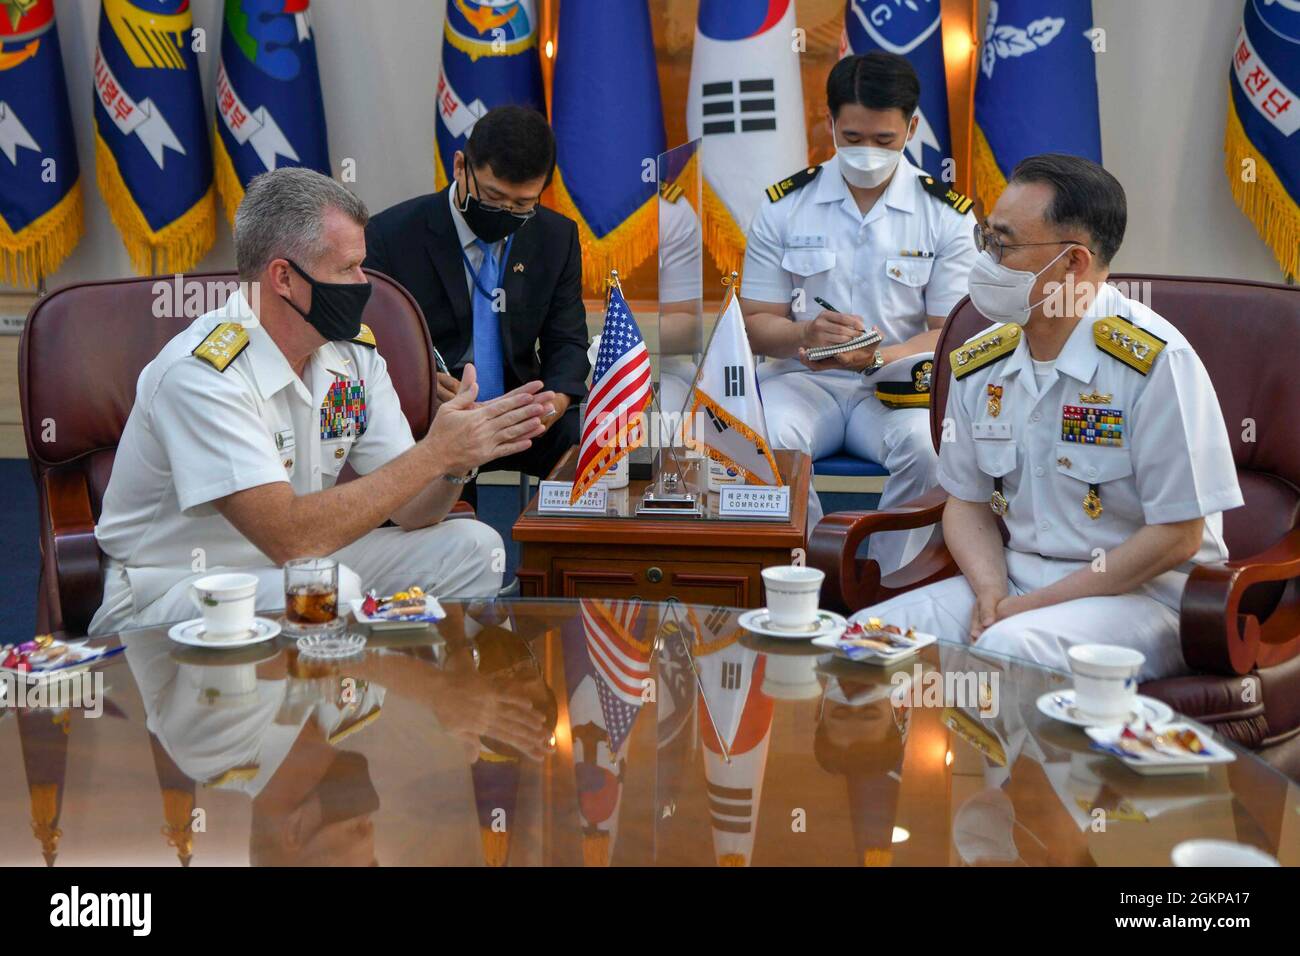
x,y
281,216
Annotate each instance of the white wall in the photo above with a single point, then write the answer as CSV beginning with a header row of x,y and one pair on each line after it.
x,y
1163,87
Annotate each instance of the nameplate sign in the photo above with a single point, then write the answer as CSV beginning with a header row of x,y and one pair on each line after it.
x,y
754,501
553,498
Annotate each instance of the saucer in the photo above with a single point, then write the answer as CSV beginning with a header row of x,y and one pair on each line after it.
x,y
1059,705
191,633
758,621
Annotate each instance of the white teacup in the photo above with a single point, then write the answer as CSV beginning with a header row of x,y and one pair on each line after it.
x,y
792,596
1219,853
1105,680
226,602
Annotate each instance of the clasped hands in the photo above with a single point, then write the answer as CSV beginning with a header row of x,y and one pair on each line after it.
x,y
467,433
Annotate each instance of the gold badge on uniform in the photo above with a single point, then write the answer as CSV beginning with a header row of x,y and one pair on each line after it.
x,y
995,400
1095,398
998,501
1092,503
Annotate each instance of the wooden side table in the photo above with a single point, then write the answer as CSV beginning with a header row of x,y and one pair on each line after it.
x,y
697,561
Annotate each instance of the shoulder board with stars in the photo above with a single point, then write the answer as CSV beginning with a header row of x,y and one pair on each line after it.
x,y
946,194
994,345
785,187
1135,347
223,345
670,192
365,337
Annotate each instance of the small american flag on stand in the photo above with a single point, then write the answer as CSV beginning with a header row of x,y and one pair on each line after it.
x,y
620,394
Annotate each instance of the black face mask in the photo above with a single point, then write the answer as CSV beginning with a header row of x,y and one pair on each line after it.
x,y
490,225
336,307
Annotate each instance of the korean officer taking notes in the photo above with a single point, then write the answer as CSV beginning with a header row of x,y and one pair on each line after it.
x,y
881,245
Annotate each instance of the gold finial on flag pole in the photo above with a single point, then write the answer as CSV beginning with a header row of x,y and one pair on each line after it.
x,y
729,283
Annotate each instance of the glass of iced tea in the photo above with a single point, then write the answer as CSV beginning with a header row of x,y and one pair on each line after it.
x,y
311,596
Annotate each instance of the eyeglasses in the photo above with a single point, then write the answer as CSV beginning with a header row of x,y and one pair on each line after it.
x,y
986,240
521,214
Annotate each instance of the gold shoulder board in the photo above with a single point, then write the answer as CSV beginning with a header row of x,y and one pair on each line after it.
x,y
785,187
365,336
990,347
670,192
223,345
946,194
1135,347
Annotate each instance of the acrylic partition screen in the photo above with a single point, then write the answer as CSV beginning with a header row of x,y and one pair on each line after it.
x,y
681,270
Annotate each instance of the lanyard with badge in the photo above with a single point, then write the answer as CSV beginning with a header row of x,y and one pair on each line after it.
x,y
505,257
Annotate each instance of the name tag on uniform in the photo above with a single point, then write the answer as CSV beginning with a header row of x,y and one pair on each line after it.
x,y
991,430
284,440
806,242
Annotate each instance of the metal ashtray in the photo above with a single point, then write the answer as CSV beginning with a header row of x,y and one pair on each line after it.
x,y
331,647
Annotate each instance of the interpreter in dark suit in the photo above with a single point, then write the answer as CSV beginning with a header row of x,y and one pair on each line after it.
x,y
498,277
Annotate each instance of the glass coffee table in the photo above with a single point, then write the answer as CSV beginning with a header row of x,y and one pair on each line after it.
x,y
592,733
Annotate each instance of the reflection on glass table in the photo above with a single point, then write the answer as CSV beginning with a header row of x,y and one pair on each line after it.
x,y
592,733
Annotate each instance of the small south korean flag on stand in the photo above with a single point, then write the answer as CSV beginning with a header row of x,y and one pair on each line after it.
x,y
734,431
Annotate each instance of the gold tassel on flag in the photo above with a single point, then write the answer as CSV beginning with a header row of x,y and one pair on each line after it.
x,y
989,181
178,810
630,243
595,849
229,187
178,246
722,236
36,252
45,815
1265,200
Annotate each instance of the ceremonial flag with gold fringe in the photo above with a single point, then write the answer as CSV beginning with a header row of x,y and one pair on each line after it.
x,y
489,58
621,391
746,101
269,108
726,391
1262,141
1037,56
40,179
152,155
912,31
609,127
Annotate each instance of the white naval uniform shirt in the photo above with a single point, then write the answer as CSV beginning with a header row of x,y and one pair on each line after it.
x,y
906,259
196,434
1174,462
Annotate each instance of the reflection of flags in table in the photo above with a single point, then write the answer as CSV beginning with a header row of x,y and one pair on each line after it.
x,y
598,763
621,659
732,679
152,155
746,100
43,737
269,109
620,394
609,127
40,180
912,31
489,58
726,390
1037,55
496,792
1263,130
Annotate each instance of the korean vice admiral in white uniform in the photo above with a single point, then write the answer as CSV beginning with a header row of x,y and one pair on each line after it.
x,y
1089,425
885,246
243,422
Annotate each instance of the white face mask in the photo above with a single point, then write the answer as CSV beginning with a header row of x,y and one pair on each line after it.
x,y
866,166
1002,294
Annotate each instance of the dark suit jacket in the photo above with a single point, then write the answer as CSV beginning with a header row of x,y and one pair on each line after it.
x,y
544,324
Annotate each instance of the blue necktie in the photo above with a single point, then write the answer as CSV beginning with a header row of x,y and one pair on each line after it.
x,y
487,328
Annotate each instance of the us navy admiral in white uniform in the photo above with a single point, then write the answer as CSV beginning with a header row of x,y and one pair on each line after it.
x,y
885,245
1090,427
243,422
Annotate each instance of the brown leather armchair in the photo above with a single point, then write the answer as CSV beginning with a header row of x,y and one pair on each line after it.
x,y
80,356
1240,618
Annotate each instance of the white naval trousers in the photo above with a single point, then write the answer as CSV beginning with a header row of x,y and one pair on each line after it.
x,y
456,558
1145,620
821,412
